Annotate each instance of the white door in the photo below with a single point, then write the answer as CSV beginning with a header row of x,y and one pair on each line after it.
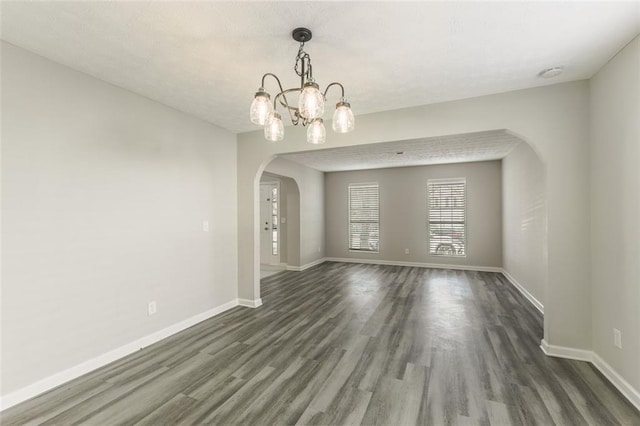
x,y
269,229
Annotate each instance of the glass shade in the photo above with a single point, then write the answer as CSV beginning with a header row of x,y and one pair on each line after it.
x,y
343,120
316,134
274,128
311,101
260,107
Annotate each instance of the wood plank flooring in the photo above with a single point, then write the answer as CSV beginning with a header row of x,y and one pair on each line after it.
x,y
348,344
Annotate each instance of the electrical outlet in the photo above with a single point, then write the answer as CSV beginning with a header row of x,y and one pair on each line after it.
x,y
406,251
205,225
617,338
152,308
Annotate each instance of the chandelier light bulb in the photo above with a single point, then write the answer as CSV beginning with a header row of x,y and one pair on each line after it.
x,y
274,128
343,120
316,134
311,101
260,107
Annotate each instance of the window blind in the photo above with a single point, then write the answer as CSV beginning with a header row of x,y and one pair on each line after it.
x,y
364,217
446,223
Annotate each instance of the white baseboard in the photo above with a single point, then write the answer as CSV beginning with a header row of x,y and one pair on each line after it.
x,y
535,302
607,371
415,264
565,352
74,372
249,303
306,266
617,380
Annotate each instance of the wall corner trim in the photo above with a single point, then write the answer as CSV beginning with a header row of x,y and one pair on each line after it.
x,y
249,303
625,388
307,265
535,302
85,367
565,352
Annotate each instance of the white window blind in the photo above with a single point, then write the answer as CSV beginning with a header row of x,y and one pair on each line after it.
x,y
364,217
446,211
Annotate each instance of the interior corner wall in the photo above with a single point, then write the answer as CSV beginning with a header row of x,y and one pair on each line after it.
x,y
403,214
104,194
524,220
615,211
311,212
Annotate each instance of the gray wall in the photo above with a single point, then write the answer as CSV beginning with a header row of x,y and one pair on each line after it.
x,y
104,194
524,220
310,183
615,211
403,213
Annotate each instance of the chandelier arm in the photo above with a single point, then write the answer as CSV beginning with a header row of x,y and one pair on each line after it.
x,y
285,103
283,94
275,77
294,117
335,83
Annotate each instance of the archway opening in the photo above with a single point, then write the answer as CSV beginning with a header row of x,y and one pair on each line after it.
x,y
523,197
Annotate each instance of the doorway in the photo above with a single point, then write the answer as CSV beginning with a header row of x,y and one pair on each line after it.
x,y
269,223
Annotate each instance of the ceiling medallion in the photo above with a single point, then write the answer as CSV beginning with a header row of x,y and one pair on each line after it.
x,y
309,107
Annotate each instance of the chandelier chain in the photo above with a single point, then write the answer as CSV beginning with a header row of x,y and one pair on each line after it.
x,y
300,58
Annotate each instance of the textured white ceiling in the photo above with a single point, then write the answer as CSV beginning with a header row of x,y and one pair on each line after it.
x,y
207,58
480,146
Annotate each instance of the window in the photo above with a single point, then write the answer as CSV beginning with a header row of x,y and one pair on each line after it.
x,y
364,217
446,210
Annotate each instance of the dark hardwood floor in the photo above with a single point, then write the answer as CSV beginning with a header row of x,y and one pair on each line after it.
x,y
348,344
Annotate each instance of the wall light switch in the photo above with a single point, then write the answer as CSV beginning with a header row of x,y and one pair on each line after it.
x,y
152,308
283,219
205,225
617,338
406,251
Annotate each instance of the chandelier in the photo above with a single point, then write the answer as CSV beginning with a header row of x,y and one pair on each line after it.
x,y
309,107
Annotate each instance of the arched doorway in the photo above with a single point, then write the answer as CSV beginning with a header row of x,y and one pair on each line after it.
x,y
551,119
524,205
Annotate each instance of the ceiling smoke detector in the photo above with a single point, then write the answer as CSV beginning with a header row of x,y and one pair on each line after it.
x,y
551,72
